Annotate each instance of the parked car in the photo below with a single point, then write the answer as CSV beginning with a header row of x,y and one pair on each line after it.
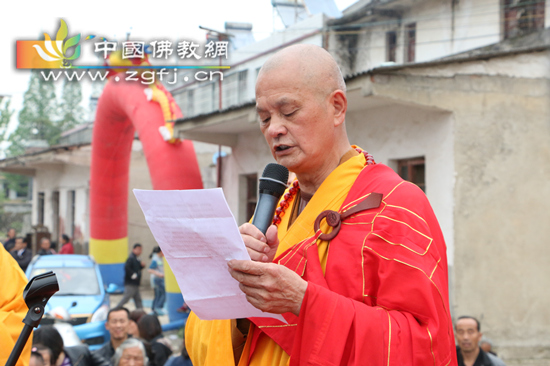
x,y
81,293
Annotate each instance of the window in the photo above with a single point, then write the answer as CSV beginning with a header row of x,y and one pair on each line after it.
x,y
190,103
71,201
252,194
242,84
55,218
522,17
40,208
413,170
391,45
410,42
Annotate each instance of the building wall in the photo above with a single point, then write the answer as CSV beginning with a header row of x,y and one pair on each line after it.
x,y
501,169
62,178
441,30
250,156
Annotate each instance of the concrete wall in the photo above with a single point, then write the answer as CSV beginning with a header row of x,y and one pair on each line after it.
x,y
501,135
250,156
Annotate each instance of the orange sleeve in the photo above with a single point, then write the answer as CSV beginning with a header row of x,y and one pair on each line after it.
x,y
12,308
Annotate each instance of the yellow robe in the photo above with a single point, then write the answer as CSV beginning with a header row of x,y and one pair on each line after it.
x,y
12,308
209,343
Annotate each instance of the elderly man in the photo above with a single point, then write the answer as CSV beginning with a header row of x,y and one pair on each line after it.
x,y
130,352
372,290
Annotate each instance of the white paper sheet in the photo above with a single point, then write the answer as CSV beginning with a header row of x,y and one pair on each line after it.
x,y
198,236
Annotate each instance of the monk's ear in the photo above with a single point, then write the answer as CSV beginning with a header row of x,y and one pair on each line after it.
x,y
340,105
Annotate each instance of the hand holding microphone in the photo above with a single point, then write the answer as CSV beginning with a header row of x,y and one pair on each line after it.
x,y
260,237
267,286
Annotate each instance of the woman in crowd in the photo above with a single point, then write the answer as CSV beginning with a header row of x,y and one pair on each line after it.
x,y
158,347
60,356
66,245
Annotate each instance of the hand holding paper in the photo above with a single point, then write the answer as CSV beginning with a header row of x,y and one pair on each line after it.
x,y
198,236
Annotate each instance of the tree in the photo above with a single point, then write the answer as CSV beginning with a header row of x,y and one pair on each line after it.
x,y
71,111
5,116
37,117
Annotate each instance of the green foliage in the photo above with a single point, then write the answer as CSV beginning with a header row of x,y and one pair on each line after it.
x,y
5,116
17,183
36,118
42,117
71,111
8,219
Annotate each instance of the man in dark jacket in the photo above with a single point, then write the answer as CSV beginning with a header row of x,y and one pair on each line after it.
x,y
10,240
132,277
21,253
118,322
468,335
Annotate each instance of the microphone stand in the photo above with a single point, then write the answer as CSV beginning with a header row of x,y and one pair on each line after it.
x,y
36,294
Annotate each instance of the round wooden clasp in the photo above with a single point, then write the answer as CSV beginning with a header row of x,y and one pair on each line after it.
x,y
333,220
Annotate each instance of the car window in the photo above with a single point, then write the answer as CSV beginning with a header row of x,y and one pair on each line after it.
x,y
73,281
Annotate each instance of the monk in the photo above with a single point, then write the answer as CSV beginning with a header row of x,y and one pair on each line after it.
x,y
355,261
12,308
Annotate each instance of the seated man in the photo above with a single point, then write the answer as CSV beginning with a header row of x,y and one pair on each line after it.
x,y
117,324
355,261
468,351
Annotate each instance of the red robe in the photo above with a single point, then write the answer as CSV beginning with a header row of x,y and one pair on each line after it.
x,y
383,299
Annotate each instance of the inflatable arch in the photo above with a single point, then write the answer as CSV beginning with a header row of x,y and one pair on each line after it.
x,y
125,108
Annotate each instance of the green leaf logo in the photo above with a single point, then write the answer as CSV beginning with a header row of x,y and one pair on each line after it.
x,y
57,50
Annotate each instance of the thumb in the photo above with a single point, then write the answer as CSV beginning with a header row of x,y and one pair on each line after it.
x,y
271,236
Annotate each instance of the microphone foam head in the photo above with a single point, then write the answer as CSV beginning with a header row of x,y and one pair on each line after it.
x,y
277,178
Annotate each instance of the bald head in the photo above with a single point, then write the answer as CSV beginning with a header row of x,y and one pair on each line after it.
x,y
310,65
301,104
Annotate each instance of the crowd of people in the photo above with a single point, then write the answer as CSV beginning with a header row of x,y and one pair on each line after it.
x,y
136,338
21,251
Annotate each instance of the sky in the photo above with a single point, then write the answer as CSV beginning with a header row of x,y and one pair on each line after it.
x,y
159,19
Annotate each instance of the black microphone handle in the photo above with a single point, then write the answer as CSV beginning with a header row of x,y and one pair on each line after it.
x,y
265,209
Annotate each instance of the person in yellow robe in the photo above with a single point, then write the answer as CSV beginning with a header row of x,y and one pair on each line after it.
x,y
12,308
355,261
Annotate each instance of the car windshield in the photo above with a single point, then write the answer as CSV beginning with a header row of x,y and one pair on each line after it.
x,y
73,281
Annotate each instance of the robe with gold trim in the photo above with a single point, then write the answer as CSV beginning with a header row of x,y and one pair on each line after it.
x,y
377,293
12,308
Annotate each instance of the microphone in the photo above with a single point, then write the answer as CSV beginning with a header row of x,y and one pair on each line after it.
x,y
272,187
